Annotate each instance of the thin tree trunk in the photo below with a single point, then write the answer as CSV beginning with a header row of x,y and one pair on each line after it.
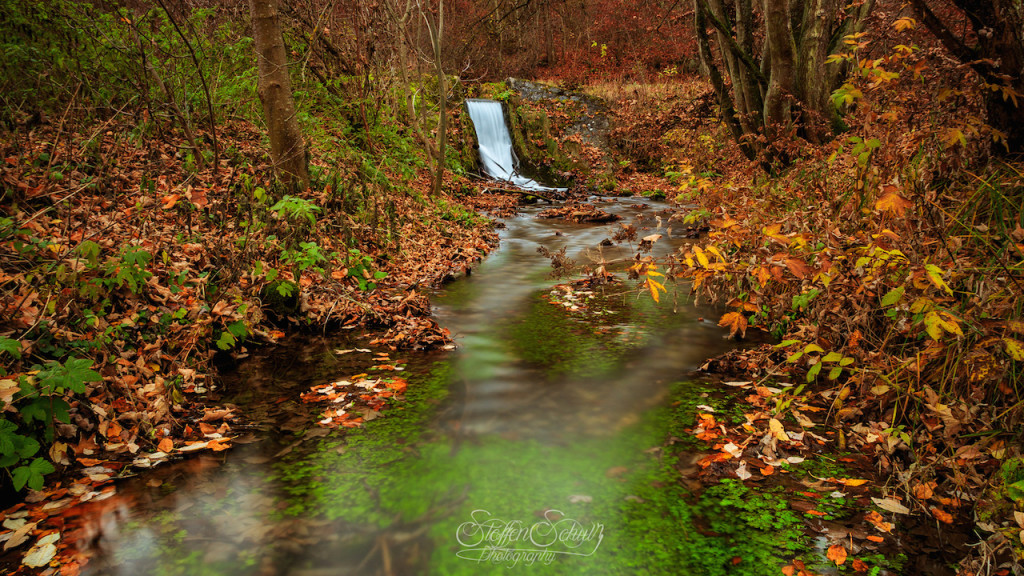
x,y
436,37
287,149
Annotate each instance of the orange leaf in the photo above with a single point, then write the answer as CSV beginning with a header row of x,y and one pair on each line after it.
x,y
170,200
874,538
763,276
798,267
860,566
837,554
893,202
166,445
941,515
735,322
815,513
219,444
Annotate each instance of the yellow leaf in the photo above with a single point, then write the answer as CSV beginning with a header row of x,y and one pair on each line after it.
x,y
904,23
701,257
653,286
1014,348
777,430
735,322
935,275
852,481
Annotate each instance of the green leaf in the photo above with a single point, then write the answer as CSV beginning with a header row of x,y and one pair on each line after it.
x,y
813,348
786,343
832,357
12,347
893,296
28,447
38,409
794,356
7,436
846,361
32,475
835,372
226,340
813,372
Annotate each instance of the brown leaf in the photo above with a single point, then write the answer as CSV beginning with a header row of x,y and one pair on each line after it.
x,y
798,267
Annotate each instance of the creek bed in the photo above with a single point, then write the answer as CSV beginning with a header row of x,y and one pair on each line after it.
x,y
539,444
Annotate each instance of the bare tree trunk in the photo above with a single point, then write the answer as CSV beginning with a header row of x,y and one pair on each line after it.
x,y
784,87
287,149
782,82
436,36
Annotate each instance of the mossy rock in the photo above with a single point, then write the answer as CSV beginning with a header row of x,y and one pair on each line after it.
x,y
281,297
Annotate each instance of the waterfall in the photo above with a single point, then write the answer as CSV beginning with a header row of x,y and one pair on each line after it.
x,y
497,155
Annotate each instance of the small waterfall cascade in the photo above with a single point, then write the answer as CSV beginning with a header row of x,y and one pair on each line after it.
x,y
497,155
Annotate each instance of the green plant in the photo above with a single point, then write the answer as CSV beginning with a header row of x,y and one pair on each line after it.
x,y
296,210
360,267
36,398
309,255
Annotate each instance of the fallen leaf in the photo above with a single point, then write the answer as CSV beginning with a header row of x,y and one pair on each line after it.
x,y
778,430
893,202
891,505
166,445
837,554
735,322
941,515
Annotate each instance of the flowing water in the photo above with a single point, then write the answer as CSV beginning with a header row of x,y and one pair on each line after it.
x,y
536,444
497,155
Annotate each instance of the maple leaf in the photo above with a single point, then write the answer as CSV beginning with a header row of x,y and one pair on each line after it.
x,y
735,322
837,554
893,202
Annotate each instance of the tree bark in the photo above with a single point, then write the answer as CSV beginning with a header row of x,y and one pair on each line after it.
x,y
782,51
997,57
783,88
287,149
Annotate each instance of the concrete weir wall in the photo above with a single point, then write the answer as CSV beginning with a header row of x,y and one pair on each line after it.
x,y
572,147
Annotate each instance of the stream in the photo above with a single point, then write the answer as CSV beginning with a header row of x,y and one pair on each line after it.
x,y
535,445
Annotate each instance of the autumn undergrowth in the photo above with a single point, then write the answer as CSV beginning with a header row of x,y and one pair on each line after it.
x,y
143,237
889,266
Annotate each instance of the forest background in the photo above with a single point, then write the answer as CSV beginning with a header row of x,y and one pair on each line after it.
x,y
852,170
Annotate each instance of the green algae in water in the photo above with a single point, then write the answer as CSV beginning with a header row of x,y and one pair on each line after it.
x,y
648,521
